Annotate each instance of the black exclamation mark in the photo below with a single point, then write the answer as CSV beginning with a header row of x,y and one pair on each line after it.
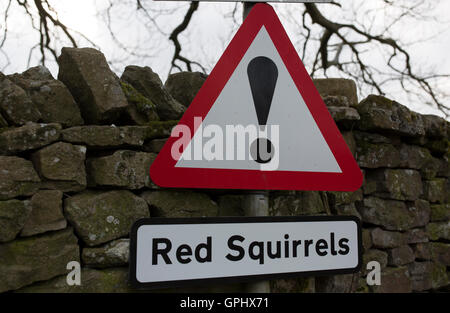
x,y
263,74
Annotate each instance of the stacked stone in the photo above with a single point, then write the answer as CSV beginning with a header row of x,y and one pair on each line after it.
x,y
406,180
75,154
404,203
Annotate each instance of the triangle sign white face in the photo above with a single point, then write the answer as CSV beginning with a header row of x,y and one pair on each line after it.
x,y
300,146
257,123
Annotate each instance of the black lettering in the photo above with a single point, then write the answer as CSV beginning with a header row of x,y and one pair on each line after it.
x,y
260,255
344,246
307,244
321,245
163,252
184,250
208,247
295,244
286,246
239,249
275,255
332,245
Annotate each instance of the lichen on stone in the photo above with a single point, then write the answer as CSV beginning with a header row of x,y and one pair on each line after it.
x,y
143,104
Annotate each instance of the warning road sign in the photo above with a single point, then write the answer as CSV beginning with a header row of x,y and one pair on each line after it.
x,y
258,122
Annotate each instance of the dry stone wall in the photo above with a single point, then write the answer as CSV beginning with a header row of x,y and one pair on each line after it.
x,y
75,153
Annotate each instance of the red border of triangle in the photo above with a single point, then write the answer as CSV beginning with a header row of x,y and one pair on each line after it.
x,y
163,171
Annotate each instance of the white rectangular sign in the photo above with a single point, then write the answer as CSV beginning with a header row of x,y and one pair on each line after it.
x,y
178,252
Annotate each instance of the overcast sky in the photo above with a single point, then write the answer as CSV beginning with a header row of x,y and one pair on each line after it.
x,y
211,32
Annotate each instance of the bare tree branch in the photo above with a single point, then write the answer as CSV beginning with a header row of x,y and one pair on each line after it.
x,y
406,72
174,38
329,48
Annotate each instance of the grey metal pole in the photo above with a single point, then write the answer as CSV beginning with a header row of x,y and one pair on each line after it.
x,y
247,7
256,203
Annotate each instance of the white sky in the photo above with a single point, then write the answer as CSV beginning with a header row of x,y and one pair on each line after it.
x,y
209,34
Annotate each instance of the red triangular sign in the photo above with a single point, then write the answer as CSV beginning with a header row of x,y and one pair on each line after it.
x,y
258,122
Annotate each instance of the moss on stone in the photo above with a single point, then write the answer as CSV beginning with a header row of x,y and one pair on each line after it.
x,y
99,217
440,212
363,146
437,231
394,183
17,178
26,188
3,122
143,104
438,276
160,129
345,197
3,129
109,280
141,109
377,155
435,190
36,258
304,285
299,203
167,203
381,101
362,286
299,285
440,146
28,137
13,215
390,214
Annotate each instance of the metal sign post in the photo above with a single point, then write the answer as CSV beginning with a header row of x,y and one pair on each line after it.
x,y
247,7
256,203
